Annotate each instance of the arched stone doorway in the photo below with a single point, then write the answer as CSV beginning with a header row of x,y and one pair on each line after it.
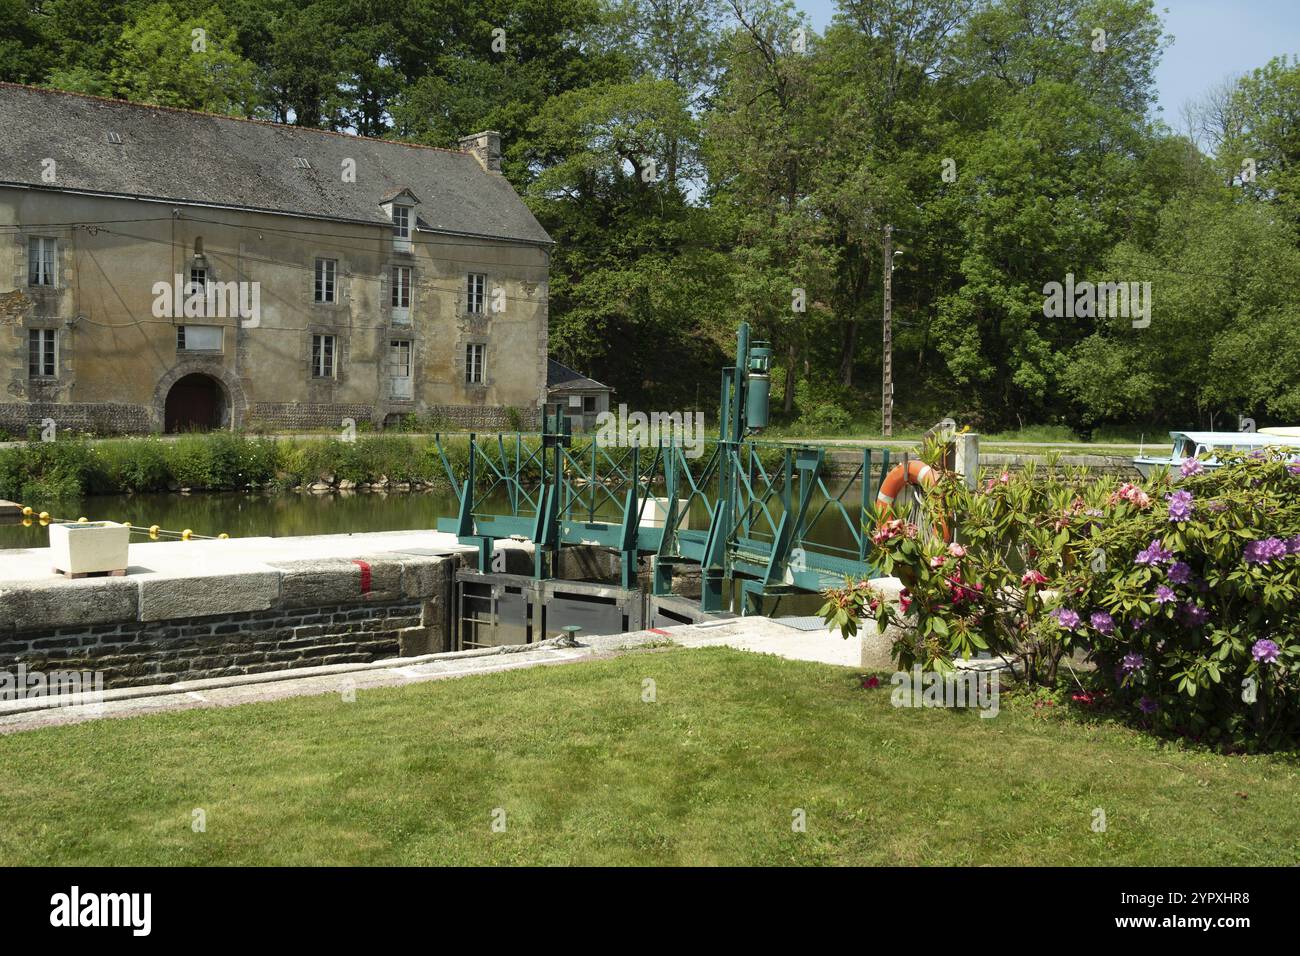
x,y
196,402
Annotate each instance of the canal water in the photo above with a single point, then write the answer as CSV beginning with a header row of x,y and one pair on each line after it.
x,y
242,515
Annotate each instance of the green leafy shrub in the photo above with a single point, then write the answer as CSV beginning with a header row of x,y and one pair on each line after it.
x,y
47,470
1194,613
1186,597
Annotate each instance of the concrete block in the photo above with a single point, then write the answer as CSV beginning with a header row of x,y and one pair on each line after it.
x,y
162,599
877,647
81,603
325,581
385,576
414,641
318,583
427,576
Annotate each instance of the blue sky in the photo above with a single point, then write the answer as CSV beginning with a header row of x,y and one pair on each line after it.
x,y
1212,39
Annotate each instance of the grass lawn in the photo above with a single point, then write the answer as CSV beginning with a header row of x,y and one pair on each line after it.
x,y
588,773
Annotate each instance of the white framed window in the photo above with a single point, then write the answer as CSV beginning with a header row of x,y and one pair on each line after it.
x,y
401,228
41,258
475,363
475,292
401,295
324,362
326,288
199,338
42,353
399,368
400,357
197,290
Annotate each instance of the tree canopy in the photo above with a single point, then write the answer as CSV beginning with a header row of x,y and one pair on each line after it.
x,y
700,162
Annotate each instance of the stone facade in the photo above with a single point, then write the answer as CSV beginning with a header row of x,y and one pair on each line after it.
x,y
469,346
134,653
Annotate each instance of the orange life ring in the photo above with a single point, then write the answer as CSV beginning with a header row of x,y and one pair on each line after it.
x,y
912,472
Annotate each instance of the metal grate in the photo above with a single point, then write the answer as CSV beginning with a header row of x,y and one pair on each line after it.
x,y
811,623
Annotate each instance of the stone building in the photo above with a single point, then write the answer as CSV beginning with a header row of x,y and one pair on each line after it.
x,y
162,269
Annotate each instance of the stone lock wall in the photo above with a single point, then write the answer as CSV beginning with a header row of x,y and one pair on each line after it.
x,y
155,630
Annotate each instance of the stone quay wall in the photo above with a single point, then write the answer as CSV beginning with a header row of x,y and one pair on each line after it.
x,y
304,613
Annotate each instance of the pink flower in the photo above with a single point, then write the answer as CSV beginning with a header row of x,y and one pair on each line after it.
x,y
1032,577
937,561
1132,494
956,550
904,600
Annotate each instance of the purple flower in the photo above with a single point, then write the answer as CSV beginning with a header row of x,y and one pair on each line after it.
x,y
1067,618
1132,663
1191,466
1294,468
1180,572
1102,622
1264,651
1147,705
1155,553
1180,505
1193,615
1264,550
1164,595
1293,545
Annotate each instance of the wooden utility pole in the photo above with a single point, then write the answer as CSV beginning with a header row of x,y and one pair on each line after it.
x,y
887,389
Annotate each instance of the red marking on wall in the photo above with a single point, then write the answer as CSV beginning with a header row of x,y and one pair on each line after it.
x,y
655,630
365,575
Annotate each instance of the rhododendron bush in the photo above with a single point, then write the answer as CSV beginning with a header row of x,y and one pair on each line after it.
x,y
1183,591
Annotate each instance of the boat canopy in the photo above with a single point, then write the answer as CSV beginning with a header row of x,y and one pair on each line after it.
x,y
1227,439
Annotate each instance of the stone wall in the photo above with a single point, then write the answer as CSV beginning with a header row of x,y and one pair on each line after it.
x,y
120,418
102,418
843,463
324,416
151,629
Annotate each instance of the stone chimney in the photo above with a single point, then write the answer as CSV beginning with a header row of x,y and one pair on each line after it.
x,y
485,147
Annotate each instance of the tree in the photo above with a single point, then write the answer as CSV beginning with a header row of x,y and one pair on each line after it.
x,y
193,62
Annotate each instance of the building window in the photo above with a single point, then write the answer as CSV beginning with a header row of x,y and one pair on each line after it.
x,y
197,289
40,353
199,338
400,355
40,261
401,228
323,363
589,404
326,271
475,290
474,363
401,297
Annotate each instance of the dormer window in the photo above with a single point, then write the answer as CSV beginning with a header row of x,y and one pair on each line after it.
x,y
114,138
400,206
301,163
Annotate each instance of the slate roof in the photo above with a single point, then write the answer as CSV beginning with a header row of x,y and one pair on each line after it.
x,y
188,157
561,378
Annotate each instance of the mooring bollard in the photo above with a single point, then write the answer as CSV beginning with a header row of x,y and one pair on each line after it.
x,y
571,632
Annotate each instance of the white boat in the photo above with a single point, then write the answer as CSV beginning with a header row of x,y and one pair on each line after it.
x,y
1208,446
1283,431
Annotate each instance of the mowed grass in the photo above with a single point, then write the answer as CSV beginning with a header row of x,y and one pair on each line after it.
x,y
588,773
